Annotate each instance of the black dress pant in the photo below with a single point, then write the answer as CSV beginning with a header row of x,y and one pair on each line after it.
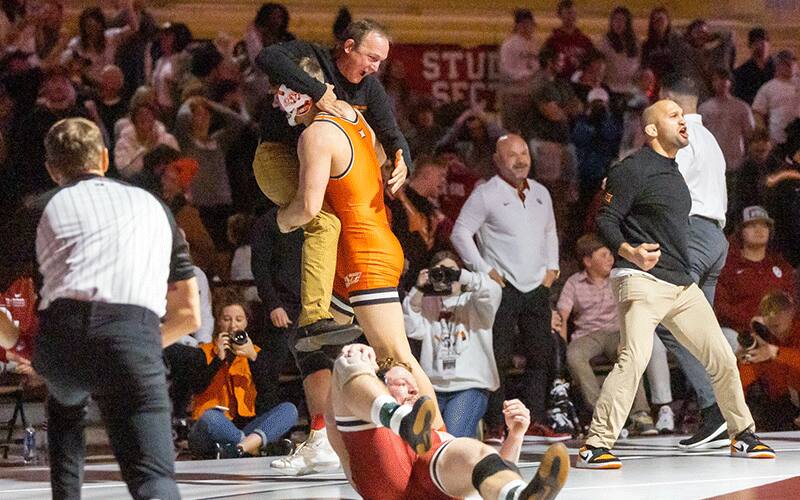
x,y
111,352
522,326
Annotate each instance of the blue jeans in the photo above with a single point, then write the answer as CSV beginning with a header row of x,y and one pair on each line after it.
x,y
214,427
461,410
708,249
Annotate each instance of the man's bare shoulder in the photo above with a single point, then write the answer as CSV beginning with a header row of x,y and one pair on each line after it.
x,y
321,133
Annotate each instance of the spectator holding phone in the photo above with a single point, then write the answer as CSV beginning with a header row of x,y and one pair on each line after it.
x,y
770,354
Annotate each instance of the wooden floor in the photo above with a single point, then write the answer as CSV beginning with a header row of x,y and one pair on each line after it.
x,y
652,469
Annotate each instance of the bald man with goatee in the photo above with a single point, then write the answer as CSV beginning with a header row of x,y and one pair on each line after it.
x,y
644,219
507,230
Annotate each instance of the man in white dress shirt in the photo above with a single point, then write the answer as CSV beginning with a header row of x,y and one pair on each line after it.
x,y
511,217
702,165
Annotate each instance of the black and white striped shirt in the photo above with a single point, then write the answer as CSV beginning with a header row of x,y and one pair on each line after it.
x,y
101,240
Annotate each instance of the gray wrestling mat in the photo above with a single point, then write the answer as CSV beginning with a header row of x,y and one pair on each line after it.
x,y
653,468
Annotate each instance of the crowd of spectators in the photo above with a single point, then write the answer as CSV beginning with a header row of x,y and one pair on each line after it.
x,y
180,117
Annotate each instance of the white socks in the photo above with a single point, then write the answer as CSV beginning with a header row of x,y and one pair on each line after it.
x,y
386,411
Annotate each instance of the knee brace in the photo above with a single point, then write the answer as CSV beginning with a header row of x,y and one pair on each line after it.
x,y
346,369
489,466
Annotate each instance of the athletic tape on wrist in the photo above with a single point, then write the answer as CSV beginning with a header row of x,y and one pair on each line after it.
x,y
346,369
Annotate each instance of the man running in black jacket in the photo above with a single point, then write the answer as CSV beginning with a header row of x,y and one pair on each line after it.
x,y
645,219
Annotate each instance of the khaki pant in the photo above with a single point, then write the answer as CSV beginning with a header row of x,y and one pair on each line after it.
x,y
645,302
276,170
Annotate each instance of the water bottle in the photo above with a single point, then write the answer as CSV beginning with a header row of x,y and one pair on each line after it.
x,y
29,446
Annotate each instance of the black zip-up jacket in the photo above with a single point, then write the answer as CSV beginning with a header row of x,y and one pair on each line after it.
x,y
647,201
279,62
275,263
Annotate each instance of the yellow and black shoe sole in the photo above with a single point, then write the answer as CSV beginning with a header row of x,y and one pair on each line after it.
x,y
551,476
415,429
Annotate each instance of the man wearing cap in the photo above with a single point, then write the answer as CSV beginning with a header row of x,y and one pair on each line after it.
x,y
751,271
775,104
756,71
774,361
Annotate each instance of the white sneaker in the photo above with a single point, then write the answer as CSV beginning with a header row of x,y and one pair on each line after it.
x,y
313,455
666,420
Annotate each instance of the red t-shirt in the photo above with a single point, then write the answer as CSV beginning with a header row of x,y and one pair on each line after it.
x,y
573,45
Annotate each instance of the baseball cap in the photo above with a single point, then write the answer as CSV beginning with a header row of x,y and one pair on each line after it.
x,y
756,213
597,94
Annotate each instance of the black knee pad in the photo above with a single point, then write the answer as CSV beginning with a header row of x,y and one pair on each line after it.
x,y
489,466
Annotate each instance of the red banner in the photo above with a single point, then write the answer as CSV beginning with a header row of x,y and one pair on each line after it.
x,y
451,73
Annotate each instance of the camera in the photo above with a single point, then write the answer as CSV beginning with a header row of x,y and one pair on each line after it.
x,y
746,338
238,337
440,280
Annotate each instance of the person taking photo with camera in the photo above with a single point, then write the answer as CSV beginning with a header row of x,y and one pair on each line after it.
x,y
770,355
451,310
236,404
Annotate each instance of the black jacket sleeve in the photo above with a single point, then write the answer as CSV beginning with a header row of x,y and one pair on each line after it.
x,y
279,62
622,187
266,383
205,374
380,117
261,245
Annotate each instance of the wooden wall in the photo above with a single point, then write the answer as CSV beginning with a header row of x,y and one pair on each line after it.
x,y
472,22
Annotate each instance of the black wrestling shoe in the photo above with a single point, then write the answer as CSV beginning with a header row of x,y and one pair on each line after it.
x,y
713,432
550,477
326,332
415,428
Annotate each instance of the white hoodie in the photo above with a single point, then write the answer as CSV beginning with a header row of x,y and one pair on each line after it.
x,y
457,352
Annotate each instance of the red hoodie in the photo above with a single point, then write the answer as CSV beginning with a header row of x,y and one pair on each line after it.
x,y
742,284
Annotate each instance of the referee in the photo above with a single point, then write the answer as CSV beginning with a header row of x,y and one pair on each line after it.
x,y
115,285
